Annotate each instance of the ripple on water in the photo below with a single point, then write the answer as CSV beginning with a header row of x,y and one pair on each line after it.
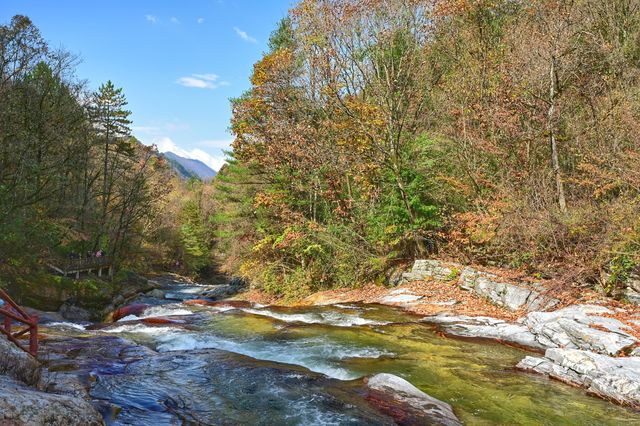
x,y
334,318
476,378
159,311
316,354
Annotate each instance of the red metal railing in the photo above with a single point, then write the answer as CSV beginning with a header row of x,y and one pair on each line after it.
x,y
14,313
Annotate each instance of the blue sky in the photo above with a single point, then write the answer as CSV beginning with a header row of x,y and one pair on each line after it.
x,y
178,62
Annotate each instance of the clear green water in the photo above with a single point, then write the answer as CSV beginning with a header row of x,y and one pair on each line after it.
x,y
347,342
476,378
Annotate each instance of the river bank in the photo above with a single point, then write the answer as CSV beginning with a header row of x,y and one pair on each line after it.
x,y
588,340
186,352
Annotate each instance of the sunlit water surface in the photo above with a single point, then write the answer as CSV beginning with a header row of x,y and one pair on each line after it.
x,y
344,342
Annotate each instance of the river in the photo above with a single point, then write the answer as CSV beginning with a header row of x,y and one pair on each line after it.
x,y
253,364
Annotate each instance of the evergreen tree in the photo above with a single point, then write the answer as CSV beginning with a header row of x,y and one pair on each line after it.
x,y
111,122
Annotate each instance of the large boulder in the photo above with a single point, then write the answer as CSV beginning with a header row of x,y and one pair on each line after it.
x,y
18,364
615,379
407,404
223,291
581,327
21,405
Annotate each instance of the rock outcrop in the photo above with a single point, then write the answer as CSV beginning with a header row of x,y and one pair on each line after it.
x,y
580,344
581,327
22,405
17,364
615,379
508,295
512,296
573,327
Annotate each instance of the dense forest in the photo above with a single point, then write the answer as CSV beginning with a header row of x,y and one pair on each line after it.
x,y
72,178
501,133
496,132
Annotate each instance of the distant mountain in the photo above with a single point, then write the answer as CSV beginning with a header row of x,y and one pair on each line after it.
x,y
188,168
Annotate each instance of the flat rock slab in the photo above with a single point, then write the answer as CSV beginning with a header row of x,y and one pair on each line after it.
x,y
573,327
400,296
486,328
615,379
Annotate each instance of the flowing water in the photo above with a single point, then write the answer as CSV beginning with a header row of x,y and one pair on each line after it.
x,y
257,365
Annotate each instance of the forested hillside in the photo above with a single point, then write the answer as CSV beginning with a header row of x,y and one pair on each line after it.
x,y
497,132
72,179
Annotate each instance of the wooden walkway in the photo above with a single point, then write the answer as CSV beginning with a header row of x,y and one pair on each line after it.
x,y
10,312
74,267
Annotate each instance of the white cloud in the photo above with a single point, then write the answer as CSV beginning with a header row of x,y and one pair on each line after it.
x,y
174,20
200,20
165,144
202,81
151,18
208,77
217,143
243,35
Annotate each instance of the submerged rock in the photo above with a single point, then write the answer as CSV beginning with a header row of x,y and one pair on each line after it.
x,y
407,404
615,379
134,309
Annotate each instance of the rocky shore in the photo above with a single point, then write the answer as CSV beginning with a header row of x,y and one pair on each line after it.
x,y
23,400
592,345
31,394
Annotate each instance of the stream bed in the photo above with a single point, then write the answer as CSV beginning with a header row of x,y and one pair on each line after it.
x,y
239,363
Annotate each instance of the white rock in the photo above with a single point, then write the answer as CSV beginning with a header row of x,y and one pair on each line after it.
x,y
616,379
438,412
486,328
508,295
573,327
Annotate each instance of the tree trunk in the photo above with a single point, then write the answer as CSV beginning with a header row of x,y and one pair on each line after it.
x,y
555,162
